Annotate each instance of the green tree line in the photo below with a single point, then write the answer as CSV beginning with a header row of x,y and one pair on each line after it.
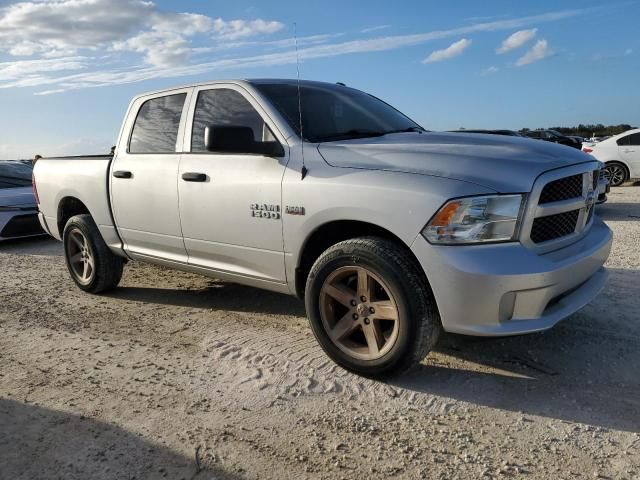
x,y
588,131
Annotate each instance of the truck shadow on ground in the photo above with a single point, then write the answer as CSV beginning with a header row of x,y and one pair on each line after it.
x,y
496,374
37,442
217,296
583,370
627,212
41,245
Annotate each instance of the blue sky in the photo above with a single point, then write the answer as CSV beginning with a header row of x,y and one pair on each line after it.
x,y
68,68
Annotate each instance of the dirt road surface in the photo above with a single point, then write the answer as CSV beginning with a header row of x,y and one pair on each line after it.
x,y
182,377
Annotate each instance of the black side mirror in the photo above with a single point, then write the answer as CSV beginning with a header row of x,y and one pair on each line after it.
x,y
233,139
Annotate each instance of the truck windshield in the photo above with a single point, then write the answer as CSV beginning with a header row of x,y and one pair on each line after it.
x,y
15,174
332,113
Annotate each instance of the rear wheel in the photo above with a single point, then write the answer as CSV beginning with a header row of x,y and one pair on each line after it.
x,y
370,307
616,173
92,266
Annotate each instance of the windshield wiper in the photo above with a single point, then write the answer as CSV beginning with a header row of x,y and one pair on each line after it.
x,y
405,130
354,133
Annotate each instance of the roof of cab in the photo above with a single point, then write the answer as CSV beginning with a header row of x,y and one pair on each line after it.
x,y
239,81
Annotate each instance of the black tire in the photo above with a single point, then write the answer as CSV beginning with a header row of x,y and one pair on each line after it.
x,y
107,267
615,180
417,314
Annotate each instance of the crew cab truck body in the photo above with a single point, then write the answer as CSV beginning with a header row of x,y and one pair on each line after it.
x,y
388,232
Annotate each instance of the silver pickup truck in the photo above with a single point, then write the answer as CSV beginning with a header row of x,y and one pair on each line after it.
x,y
389,233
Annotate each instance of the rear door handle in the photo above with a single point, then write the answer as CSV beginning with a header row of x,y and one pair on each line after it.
x,y
194,177
122,174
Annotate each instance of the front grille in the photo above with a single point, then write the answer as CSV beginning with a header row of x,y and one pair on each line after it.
x,y
554,226
562,189
22,226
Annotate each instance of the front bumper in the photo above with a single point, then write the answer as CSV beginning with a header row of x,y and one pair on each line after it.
x,y
507,289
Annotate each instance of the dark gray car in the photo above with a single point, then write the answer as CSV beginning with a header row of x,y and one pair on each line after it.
x,y
18,209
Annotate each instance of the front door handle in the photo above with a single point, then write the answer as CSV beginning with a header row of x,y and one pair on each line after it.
x,y
122,174
194,177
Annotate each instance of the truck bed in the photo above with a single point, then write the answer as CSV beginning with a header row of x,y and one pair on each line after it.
x,y
84,177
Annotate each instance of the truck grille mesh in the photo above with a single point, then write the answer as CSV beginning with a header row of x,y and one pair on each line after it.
x,y
554,226
562,189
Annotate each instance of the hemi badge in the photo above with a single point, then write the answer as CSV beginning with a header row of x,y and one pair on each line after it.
x,y
294,210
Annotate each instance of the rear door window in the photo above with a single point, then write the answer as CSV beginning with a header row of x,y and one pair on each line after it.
x,y
634,139
624,140
156,126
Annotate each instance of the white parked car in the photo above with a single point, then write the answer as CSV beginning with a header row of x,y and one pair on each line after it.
x,y
621,156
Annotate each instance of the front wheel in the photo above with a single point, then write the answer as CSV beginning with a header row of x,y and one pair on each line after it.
x,y
92,266
370,307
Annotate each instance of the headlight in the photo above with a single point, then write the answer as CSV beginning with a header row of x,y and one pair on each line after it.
x,y
493,218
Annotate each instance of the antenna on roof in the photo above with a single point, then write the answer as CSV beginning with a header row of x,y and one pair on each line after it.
x,y
295,37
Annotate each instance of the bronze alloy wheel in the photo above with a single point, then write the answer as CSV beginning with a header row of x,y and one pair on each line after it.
x,y
359,313
81,259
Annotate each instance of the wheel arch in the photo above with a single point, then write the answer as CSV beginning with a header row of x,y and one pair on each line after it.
x,y
332,232
68,207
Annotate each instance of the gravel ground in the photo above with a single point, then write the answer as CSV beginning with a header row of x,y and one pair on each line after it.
x,y
178,376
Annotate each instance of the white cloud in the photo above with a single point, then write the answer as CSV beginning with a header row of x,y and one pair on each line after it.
x,y
161,49
517,40
64,27
25,69
539,51
490,70
236,29
375,29
34,27
115,70
451,51
272,44
185,23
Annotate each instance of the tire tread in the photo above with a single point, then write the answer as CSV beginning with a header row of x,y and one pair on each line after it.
x,y
423,306
108,266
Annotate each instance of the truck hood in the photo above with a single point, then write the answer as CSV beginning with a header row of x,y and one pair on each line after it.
x,y
17,197
501,163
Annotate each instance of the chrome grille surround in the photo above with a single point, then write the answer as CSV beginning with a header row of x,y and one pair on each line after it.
x,y
584,204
